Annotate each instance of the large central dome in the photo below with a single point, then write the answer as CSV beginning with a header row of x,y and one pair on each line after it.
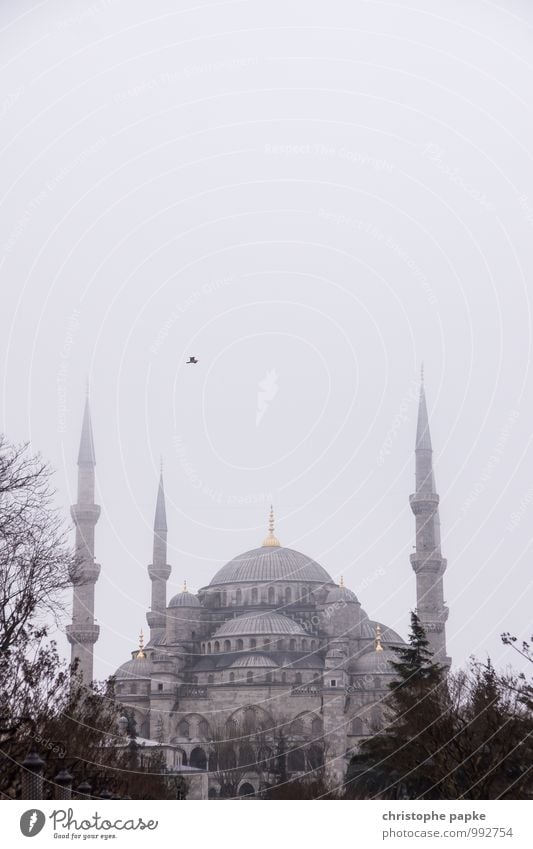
x,y
271,563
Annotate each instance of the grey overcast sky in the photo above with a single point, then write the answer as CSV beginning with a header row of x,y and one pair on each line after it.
x,y
312,198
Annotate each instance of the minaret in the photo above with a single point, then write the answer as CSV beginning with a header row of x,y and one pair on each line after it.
x,y
427,560
159,570
83,632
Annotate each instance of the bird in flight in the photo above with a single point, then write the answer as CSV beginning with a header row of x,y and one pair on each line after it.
x,y
191,361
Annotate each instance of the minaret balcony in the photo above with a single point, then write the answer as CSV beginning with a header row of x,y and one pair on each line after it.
x,y
156,619
424,503
428,561
82,634
84,572
159,571
85,513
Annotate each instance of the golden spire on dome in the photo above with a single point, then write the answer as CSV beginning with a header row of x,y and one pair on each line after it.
x,y
271,539
184,590
140,653
379,647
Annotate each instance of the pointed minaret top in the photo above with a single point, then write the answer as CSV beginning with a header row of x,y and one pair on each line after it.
x,y
378,645
271,539
86,454
160,521
423,438
140,653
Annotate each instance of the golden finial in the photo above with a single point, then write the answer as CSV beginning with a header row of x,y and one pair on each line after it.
x,y
271,539
140,653
341,584
184,590
379,647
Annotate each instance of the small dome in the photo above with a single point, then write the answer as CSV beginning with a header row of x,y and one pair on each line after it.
x,y
139,667
375,663
259,623
184,599
271,563
254,661
341,594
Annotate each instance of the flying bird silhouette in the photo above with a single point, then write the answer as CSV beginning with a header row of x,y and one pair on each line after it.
x,y
191,361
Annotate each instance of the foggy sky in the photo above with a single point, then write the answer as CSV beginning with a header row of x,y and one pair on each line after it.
x,y
319,196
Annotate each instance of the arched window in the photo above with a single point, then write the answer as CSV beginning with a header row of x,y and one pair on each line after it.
x,y
133,689
255,596
266,643
297,726
210,679
231,729
240,645
296,761
268,678
280,645
250,720
304,645
246,789
271,595
315,756
217,599
238,596
203,728
209,648
283,677
253,643
249,677
298,678
203,648
288,595
357,726
224,598
198,758
232,677
227,645
183,728
216,646
316,727
313,645
292,645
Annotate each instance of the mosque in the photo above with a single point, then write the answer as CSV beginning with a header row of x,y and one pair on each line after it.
x,y
272,659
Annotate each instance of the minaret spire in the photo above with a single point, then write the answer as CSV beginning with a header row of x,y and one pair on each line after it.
x,y
83,632
159,570
427,560
271,539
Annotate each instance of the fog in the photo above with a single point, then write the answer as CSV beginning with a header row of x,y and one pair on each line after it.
x,y
312,199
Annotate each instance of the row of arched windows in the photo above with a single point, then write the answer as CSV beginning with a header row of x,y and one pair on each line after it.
x,y
283,596
265,644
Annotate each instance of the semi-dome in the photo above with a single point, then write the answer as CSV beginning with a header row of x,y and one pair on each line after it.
x,y
341,594
139,667
259,623
271,563
254,661
375,663
368,630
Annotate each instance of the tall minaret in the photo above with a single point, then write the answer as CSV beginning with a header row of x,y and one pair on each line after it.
x,y
427,561
83,633
159,570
